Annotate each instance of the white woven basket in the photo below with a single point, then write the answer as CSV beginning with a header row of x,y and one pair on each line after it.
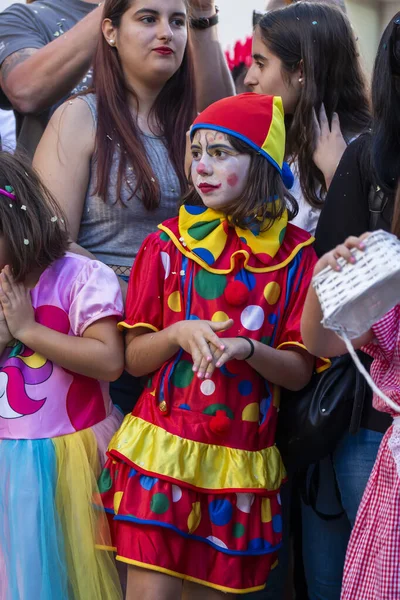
x,y
360,294
356,297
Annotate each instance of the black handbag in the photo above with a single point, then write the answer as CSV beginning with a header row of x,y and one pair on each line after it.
x,y
313,420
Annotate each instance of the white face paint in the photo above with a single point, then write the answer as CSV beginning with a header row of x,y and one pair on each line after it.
x,y
219,172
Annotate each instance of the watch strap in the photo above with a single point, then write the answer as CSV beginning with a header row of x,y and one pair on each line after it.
x,y
204,22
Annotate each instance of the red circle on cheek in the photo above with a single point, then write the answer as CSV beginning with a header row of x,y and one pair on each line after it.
x,y
233,179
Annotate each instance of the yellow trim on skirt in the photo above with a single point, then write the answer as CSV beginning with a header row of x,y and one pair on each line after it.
x,y
220,588
199,465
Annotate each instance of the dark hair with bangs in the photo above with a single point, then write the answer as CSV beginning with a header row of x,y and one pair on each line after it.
x,y
33,217
319,37
255,204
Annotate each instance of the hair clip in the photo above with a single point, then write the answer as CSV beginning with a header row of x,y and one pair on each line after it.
x,y
8,192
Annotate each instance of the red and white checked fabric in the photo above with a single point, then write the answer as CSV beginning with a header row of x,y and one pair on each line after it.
x,y
372,569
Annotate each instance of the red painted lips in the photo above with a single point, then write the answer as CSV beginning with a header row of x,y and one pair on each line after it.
x,y
207,188
164,50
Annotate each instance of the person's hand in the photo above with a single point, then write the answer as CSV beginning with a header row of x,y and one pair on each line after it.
x,y
329,144
195,338
16,303
330,259
235,348
202,8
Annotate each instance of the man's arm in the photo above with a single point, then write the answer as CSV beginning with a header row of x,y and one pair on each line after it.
x,y
213,78
36,79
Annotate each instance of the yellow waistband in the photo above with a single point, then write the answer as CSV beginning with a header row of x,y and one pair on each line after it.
x,y
199,465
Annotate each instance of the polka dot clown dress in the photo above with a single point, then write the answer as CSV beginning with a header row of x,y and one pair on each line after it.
x,y
192,484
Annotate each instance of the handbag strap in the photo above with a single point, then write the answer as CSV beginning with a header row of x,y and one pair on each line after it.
x,y
377,202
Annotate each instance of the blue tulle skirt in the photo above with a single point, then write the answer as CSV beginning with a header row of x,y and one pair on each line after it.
x,y
48,523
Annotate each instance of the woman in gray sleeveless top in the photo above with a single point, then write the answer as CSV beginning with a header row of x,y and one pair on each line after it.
x,y
113,229
114,159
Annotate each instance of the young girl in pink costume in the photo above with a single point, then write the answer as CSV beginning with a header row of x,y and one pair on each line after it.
x,y
372,569
59,346
213,313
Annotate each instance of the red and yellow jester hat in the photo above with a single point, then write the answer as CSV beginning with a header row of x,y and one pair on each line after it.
x,y
255,119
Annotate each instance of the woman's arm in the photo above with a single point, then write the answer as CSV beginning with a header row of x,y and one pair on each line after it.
x,y
319,340
98,353
76,249
63,156
62,159
212,75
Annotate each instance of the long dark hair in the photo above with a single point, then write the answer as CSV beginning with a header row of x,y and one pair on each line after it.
x,y
258,203
32,224
117,129
321,37
385,143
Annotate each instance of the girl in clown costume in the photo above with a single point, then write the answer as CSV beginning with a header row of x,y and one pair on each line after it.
x,y
213,312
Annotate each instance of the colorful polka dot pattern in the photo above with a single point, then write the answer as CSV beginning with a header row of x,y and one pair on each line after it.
x,y
255,310
244,523
206,233
272,292
183,374
242,407
209,286
174,302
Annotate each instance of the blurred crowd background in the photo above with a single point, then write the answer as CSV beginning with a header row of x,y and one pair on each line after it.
x,y
369,18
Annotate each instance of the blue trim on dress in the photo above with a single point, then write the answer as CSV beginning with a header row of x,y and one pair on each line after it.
x,y
198,538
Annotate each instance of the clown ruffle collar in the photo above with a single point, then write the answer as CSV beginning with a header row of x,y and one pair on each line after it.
x,y
206,237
